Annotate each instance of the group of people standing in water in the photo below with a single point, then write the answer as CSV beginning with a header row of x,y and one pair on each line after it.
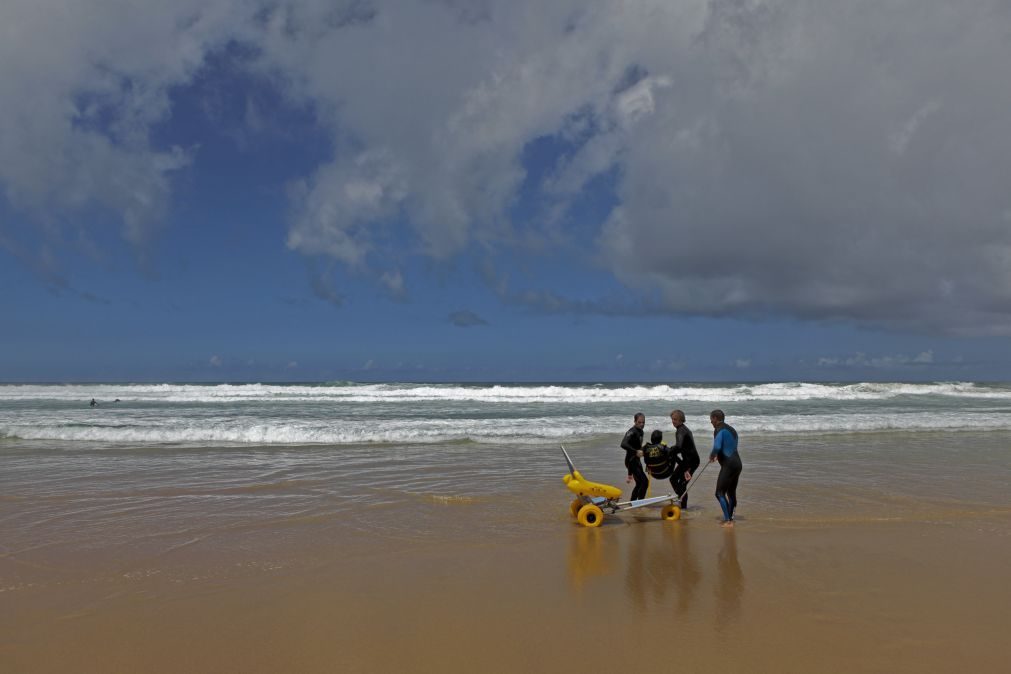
x,y
679,461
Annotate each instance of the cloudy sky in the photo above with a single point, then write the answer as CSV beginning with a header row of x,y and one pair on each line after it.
x,y
505,190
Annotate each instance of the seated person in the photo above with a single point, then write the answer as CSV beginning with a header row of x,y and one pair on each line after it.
x,y
658,458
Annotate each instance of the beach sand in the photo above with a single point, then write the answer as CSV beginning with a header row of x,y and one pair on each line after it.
x,y
851,554
635,593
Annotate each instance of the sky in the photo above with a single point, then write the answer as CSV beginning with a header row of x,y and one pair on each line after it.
x,y
505,190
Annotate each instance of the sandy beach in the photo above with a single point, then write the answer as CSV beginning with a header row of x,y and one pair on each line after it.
x,y
899,597
260,575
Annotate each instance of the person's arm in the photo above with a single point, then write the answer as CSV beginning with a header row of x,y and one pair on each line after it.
x,y
677,451
630,449
690,455
717,445
692,462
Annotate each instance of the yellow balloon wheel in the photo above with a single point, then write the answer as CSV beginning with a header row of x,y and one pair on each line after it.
x,y
671,512
590,516
575,506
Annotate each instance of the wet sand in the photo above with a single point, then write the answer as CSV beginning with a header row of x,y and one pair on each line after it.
x,y
635,593
275,561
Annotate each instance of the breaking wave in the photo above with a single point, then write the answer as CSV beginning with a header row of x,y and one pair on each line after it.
x,y
523,431
499,393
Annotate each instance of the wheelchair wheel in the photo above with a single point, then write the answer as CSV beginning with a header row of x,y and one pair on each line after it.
x,y
590,516
575,506
670,512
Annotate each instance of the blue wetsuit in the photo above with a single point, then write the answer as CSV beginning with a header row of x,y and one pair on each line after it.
x,y
725,451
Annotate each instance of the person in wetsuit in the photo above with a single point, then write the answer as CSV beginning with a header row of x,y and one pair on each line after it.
x,y
632,444
685,454
725,450
657,457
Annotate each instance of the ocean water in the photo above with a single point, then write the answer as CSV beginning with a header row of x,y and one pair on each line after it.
x,y
274,467
340,414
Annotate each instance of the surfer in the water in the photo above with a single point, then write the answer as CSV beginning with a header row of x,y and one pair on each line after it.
x,y
93,403
632,443
725,450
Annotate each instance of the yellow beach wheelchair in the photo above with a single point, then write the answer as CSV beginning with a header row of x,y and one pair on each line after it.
x,y
593,499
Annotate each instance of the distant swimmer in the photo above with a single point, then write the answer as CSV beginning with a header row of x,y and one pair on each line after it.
x,y
116,400
93,403
686,456
632,443
725,449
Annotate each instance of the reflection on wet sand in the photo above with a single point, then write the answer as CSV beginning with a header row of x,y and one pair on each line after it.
x,y
587,557
682,566
730,584
638,585
659,567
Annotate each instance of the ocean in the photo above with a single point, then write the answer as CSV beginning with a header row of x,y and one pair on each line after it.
x,y
344,413
267,452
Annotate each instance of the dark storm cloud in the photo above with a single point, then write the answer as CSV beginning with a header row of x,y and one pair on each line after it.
x,y
833,161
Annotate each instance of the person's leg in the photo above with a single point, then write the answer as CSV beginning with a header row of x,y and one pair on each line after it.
x,y
641,482
735,475
677,481
722,483
724,506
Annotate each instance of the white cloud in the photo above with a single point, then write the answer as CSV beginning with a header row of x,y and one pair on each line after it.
x,y
808,158
215,361
82,84
333,210
394,282
899,141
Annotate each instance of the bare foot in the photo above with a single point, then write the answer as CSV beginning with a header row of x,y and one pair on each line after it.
x,y
729,524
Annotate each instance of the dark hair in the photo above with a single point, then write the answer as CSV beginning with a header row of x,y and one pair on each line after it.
x,y
637,415
718,415
656,436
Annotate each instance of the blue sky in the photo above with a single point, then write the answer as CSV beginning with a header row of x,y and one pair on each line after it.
x,y
498,191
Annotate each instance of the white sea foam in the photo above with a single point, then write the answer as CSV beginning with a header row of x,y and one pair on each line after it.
x,y
567,394
270,414
249,431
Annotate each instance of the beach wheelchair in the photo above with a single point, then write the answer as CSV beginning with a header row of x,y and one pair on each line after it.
x,y
593,499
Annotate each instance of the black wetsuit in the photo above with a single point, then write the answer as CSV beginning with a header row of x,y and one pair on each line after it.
x,y
657,458
686,458
632,443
